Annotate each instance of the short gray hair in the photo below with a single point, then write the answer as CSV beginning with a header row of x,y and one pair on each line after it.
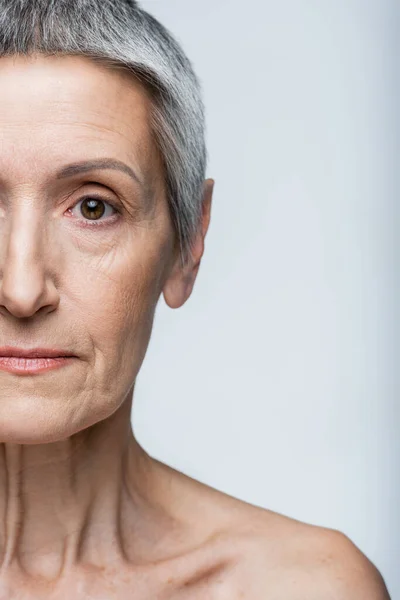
x,y
121,34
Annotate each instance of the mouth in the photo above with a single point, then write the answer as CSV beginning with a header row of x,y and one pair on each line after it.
x,y
34,360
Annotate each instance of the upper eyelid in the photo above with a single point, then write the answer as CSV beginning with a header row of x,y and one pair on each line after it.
x,y
120,200
101,189
97,196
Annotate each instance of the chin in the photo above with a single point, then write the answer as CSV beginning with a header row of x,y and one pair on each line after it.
x,y
38,420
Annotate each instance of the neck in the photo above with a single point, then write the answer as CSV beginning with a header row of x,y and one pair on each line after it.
x,y
81,500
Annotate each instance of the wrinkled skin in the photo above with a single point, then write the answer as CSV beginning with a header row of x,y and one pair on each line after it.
x,y
86,512
68,452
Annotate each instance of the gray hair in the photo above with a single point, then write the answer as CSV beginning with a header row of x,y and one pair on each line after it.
x,y
121,34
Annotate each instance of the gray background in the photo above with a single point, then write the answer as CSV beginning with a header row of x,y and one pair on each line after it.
x,y
276,382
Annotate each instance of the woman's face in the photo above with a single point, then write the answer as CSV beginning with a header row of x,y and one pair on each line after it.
x,y
75,273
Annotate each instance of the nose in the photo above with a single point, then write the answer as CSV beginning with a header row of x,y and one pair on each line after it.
x,y
25,287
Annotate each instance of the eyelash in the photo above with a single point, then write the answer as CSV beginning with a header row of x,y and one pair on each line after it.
x,y
98,223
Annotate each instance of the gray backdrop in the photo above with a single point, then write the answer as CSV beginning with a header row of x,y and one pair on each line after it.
x,y
276,382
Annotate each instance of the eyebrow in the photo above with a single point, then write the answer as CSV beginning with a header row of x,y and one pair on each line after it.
x,y
101,163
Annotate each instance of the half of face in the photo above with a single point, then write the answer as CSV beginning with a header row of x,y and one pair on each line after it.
x,y
86,240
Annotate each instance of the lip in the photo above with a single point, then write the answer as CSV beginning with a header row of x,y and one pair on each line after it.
x,y
32,366
34,360
12,351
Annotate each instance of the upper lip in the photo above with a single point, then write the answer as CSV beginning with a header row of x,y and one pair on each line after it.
x,y
34,352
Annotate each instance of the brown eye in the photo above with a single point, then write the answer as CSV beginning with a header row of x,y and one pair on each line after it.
x,y
93,209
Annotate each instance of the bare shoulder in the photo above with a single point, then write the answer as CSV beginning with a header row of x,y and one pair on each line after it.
x,y
282,558
245,551
341,570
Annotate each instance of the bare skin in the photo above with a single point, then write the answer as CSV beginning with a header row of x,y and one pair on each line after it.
x,y
86,512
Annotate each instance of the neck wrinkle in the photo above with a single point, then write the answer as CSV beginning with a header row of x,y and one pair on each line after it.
x,y
61,503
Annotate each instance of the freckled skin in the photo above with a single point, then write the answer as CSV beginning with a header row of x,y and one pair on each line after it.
x,y
86,512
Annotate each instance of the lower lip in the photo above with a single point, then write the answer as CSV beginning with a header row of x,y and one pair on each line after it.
x,y
31,366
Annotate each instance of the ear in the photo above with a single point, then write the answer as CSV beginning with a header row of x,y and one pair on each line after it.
x,y
179,285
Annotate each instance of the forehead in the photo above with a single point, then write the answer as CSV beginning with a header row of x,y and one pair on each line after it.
x,y
69,107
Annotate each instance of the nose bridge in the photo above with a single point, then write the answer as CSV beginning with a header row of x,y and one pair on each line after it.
x,y
25,238
23,269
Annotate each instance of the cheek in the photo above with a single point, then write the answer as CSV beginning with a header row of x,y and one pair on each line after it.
x,y
114,287
117,305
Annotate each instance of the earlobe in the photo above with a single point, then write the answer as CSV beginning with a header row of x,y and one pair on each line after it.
x,y
178,289
179,285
